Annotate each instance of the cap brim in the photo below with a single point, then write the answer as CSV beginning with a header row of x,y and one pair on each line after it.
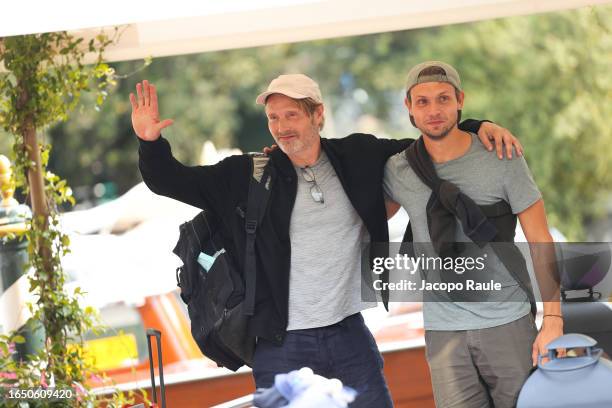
x,y
261,99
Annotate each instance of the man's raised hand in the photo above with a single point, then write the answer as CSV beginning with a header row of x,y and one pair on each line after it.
x,y
145,112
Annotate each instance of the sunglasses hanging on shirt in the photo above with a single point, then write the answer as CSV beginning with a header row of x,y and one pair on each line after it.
x,y
315,190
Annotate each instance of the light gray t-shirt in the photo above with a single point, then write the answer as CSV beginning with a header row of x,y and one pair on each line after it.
x,y
486,179
326,239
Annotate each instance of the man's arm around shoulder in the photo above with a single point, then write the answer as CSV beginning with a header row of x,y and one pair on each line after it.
x,y
490,134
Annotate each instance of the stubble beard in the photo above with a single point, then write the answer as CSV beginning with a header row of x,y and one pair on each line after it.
x,y
300,142
440,135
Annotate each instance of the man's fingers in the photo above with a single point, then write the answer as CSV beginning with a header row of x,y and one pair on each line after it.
x,y
485,136
508,145
270,149
153,101
139,93
164,124
518,147
487,142
133,102
146,93
499,146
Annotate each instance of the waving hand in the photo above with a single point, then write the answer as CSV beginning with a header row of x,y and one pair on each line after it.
x,y
145,112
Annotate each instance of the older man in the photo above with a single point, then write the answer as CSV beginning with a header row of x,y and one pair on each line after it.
x,y
326,200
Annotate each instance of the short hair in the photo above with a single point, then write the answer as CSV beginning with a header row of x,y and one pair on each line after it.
x,y
309,106
432,71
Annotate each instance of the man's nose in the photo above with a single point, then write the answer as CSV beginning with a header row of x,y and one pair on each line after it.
x,y
283,125
433,109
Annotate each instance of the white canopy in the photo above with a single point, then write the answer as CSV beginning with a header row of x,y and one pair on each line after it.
x,y
177,27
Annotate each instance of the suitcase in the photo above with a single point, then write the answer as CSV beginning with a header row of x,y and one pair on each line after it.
x,y
157,334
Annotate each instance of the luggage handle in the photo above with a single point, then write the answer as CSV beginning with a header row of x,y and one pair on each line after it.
x,y
157,334
569,341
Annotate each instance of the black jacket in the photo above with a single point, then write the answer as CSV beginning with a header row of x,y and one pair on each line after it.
x,y
359,161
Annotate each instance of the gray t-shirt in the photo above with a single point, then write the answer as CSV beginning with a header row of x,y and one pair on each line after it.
x,y
487,180
326,239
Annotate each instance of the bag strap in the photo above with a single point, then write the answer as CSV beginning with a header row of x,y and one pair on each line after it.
x,y
259,193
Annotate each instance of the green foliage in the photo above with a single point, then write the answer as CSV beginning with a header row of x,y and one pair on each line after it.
x,y
545,77
43,84
34,374
53,65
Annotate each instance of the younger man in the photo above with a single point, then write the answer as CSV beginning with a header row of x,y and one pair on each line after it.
x,y
479,353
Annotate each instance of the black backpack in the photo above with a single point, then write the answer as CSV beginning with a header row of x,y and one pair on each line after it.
x,y
220,301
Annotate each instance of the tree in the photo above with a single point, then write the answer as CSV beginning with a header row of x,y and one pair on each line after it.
x,y
44,79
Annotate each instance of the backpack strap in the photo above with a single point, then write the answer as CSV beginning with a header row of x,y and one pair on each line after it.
x,y
259,193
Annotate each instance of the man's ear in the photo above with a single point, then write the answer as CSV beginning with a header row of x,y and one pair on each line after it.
x,y
407,104
461,99
318,115
319,111
412,121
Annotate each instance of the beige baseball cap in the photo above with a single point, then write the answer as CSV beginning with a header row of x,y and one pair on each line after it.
x,y
450,75
296,86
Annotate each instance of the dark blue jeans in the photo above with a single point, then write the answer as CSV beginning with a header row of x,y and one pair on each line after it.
x,y
345,350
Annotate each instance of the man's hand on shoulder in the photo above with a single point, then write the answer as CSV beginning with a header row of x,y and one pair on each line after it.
x,y
392,207
501,137
269,149
145,112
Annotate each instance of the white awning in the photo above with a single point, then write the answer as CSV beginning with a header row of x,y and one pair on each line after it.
x,y
177,27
